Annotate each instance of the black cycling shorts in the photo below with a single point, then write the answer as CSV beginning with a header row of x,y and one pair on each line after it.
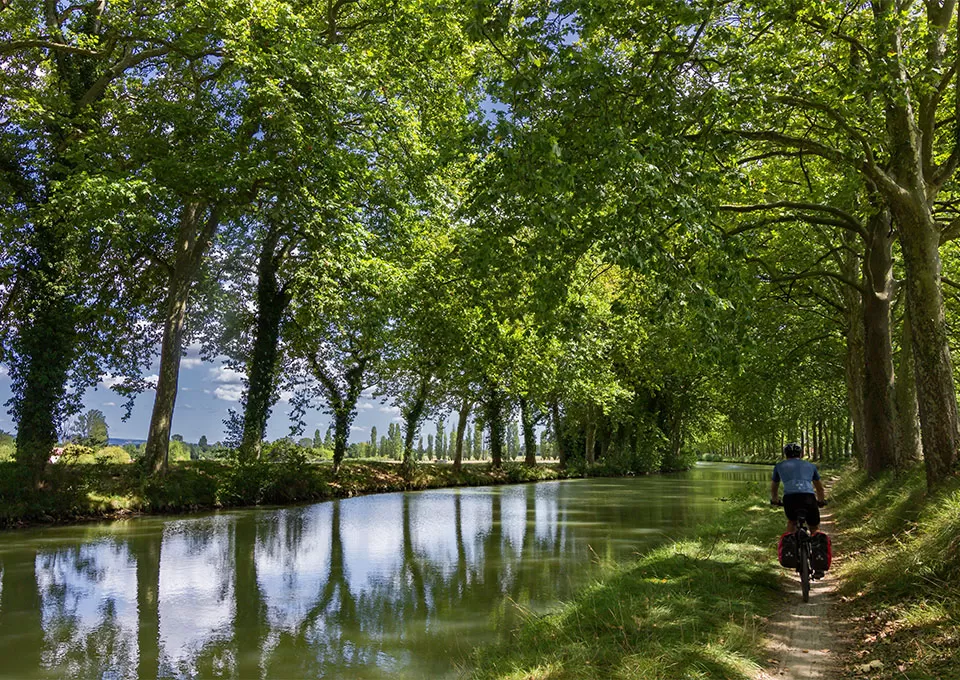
x,y
802,502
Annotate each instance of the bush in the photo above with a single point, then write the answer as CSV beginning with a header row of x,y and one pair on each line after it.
x,y
112,455
77,454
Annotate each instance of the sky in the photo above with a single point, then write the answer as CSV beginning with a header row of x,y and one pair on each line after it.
x,y
206,391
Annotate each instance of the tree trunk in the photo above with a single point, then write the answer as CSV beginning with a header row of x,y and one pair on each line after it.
x,y
936,395
261,392
193,239
462,416
854,359
342,400
879,412
911,195
558,442
529,436
910,449
493,408
591,441
413,413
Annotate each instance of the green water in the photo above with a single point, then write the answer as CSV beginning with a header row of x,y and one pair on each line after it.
x,y
387,586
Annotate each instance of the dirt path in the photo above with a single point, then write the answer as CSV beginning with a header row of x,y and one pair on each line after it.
x,y
804,638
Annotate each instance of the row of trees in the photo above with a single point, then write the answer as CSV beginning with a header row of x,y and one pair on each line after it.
x,y
634,226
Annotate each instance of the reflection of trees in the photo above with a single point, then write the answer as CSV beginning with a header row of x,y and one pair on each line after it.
x,y
321,643
145,548
249,610
21,630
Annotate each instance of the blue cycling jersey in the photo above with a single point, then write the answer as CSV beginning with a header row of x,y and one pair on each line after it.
x,y
797,475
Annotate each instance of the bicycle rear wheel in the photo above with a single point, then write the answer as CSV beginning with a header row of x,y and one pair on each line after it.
x,y
805,572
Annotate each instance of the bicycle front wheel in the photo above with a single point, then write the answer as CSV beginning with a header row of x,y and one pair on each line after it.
x,y
805,573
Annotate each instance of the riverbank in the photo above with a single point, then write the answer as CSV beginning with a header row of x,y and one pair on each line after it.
x,y
695,608
899,575
73,493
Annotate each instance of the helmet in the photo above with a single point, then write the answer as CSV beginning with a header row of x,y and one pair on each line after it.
x,y
792,450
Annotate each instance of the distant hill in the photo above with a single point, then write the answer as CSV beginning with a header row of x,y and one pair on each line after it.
x,y
115,441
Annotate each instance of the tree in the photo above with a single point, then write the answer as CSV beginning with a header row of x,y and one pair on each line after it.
x,y
65,73
899,80
90,429
374,451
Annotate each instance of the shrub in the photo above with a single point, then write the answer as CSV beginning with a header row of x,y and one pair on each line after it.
x,y
77,454
112,454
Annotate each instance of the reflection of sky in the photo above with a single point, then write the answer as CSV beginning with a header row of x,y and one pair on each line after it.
x,y
87,593
196,598
372,532
545,508
403,612
291,573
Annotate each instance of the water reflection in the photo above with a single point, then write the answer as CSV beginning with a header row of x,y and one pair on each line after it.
x,y
398,585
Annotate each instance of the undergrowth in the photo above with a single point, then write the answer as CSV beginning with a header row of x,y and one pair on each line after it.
x,y
690,610
900,581
105,489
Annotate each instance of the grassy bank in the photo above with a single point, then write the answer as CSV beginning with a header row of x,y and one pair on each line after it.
x,y
900,579
78,492
692,609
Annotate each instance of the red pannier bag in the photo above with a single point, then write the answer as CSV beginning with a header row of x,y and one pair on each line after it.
x,y
821,554
788,552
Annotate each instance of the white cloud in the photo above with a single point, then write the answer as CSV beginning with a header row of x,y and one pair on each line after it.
x,y
226,376
390,409
109,380
190,362
286,396
109,403
357,428
228,392
369,392
3,370
364,406
396,419
152,381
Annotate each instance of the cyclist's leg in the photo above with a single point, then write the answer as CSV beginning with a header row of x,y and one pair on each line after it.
x,y
790,510
813,513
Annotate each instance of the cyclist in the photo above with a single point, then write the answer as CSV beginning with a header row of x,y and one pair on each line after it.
x,y
802,489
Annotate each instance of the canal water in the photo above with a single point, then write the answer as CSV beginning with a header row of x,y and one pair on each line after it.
x,y
399,585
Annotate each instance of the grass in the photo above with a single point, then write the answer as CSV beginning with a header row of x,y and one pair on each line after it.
x,y
900,579
690,610
105,490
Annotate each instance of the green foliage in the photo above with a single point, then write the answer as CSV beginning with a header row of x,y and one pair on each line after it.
x,y
114,455
8,446
77,454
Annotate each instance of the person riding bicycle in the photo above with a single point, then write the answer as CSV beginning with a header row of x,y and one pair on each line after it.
x,y
802,489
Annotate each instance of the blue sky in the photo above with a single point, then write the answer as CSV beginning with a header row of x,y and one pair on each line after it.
x,y
206,391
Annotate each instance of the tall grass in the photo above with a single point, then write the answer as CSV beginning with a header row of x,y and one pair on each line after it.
x,y
901,576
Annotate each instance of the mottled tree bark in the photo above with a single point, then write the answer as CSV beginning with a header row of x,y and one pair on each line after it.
x,y
462,416
557,428
854,359
198,225
879,409
529,436
909,449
